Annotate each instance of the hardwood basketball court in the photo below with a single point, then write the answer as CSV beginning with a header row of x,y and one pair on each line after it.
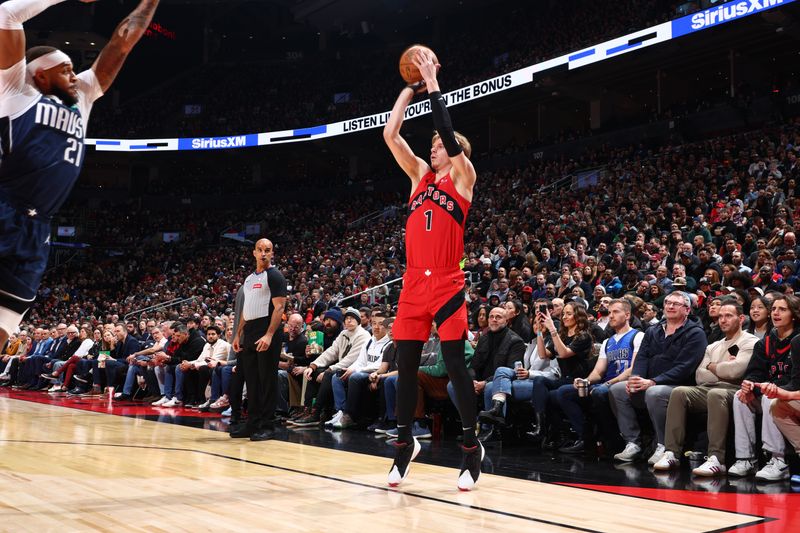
x,y
71,470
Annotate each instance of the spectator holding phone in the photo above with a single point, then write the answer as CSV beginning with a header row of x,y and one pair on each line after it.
x,y
571,346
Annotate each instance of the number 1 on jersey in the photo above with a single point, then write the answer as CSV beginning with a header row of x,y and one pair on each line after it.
x,y
428,219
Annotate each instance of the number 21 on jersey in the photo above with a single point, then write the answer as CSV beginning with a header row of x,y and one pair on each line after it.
x,y
73,152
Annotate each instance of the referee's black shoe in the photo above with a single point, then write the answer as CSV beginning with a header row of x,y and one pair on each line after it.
x,y
240,432
576,447
263,434
405,452
470,466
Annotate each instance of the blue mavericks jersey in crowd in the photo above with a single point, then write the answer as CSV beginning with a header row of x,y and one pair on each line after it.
x,y
619,354
42,153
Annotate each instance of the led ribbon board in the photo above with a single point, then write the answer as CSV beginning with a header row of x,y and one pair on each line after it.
x,y
674,29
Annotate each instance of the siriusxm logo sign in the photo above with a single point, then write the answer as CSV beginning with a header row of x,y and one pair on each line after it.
x,y
721,14
220,142
729,12
217,143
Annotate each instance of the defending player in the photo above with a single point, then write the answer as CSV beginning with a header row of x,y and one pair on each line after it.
x,y
44,109
433,286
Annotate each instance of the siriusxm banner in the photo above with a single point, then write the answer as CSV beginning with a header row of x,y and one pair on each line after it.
x,y
723,13
217,143
728,12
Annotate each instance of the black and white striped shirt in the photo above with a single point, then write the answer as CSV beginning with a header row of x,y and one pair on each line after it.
x,y
259,290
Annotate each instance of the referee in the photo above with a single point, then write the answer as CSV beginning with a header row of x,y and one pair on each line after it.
x,y
258,341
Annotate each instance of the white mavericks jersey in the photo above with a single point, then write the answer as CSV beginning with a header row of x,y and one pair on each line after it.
x,y
41,140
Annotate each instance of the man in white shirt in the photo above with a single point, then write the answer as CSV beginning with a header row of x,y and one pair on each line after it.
x,y
198,371
338,357
215,353
349,388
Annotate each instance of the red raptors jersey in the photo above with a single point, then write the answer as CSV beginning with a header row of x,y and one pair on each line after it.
x,y
435,226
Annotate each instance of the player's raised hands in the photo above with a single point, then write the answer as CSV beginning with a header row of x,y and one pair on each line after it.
x,y
428,67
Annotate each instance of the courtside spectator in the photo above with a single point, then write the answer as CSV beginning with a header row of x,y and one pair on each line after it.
x,y
668,356
718,378
771,363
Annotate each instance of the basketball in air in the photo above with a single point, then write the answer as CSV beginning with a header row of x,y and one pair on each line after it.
x,y
408,70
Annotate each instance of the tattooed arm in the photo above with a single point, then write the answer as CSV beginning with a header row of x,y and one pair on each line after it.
x,y
125,37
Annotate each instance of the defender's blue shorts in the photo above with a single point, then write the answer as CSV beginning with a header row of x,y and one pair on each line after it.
x,y
24,248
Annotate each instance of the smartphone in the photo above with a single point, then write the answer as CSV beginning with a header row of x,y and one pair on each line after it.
x,y
543,308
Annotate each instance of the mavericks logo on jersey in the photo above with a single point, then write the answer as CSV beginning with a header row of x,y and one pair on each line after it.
x,y
60,118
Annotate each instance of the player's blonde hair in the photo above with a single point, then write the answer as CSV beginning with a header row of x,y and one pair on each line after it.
x,y
463,141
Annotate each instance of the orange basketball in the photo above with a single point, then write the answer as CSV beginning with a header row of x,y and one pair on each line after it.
x,y
408,70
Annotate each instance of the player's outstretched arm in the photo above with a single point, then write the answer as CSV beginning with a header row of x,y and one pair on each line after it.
x,y
125,37
463,172
12,37
411,164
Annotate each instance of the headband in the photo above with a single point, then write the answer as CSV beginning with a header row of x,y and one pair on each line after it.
x,y
48,61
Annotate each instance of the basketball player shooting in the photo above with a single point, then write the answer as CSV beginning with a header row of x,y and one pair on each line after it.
x,y
433,286
44,109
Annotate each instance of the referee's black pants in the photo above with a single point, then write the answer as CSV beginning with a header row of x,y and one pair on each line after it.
x,y
235,390
260,372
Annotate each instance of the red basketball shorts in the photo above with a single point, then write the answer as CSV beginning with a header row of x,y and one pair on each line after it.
x,y
431,295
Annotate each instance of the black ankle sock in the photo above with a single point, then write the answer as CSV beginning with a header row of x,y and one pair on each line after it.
x,y
470,440
408,355
404,434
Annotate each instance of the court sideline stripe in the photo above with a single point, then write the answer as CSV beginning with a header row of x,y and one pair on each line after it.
x,y
743,526
295,471
760,519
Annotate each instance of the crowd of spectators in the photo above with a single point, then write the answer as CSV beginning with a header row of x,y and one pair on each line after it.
x,y
693,245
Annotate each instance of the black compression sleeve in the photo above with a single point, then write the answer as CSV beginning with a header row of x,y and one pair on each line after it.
x,y
443,124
